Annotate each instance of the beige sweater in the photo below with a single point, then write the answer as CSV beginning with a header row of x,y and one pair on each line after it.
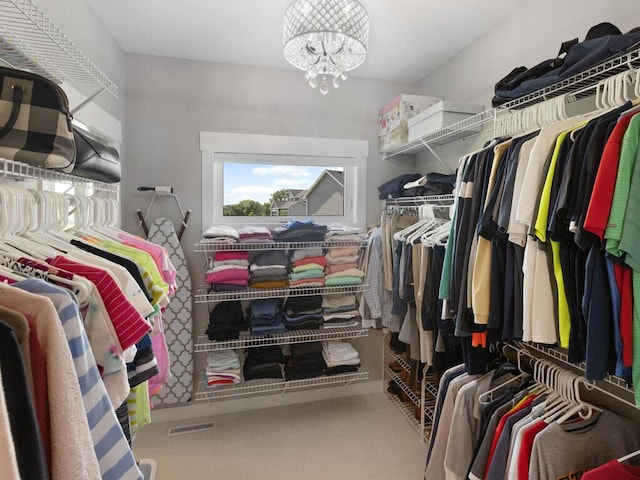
x,y
72,453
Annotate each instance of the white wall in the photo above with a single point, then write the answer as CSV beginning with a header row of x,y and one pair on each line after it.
x,y
530,35
171,101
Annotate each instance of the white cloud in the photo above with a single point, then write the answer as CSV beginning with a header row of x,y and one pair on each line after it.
x,y
259,193
294,171
294,183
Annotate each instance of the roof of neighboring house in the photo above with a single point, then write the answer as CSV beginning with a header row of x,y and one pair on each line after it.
x,y
284,205
296,193
336,175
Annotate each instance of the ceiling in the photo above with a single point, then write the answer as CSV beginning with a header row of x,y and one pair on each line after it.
x,y
408,38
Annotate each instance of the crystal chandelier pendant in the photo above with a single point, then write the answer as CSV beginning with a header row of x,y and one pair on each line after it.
x,y
325,38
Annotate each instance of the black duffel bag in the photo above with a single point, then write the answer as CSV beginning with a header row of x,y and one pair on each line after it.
x,y
94,160
35,122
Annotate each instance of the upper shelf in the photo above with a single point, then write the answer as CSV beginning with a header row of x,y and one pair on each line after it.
x,y
23,171
29,40
577,87
204,246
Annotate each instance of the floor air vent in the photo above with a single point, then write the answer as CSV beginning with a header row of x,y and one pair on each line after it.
x,y
184,429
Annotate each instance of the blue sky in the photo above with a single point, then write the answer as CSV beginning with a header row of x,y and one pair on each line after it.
x,y
259,181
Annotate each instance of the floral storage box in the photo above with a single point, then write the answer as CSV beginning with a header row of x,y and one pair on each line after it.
x,y
393,119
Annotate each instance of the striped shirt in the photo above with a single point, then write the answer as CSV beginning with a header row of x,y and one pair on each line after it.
x,y
114,455
129,325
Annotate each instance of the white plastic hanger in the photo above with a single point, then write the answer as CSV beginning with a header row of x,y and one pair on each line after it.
x,y
488,395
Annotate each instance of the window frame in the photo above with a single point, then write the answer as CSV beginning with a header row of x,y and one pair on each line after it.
x,y
216,147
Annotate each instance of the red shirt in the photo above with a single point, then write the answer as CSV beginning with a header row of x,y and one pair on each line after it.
x,y
605,183
524,456
625,287
129,325
613,470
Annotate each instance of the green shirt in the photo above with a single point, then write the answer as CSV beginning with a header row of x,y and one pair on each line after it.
x,y
628,153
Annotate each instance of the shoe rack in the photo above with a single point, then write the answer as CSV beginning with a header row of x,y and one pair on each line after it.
x,y
410,387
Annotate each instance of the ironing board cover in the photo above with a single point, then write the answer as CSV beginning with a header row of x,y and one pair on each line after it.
x,y
177,320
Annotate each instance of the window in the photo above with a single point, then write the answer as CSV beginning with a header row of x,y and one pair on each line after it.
x,y
262,179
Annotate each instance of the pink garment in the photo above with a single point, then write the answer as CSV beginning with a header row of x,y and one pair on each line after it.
x,y
307,282
331,260
161,352
159,256
227,276
231,255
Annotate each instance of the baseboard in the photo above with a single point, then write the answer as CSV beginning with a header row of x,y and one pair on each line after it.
x,y
221,407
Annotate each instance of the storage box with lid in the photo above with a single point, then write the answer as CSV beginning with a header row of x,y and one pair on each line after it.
x,y
441,115
393,129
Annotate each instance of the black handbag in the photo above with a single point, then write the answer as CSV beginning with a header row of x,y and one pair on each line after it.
x,y
35,122
95,160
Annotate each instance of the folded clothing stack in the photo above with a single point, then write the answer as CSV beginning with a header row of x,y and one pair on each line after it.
x,y
340,357
303,312
342,266
341,233
228,271
296,231
220,234
307,272
340,310
305,361
252,234
223,368
269,269
263,362
266,316
226,321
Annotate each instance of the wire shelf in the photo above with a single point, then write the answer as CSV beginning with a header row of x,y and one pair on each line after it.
x,y
576,87
417,201
30,40
204,246
23,171
562,356
406,409
281,386
398,358
257,293
405,388
246,340
429,385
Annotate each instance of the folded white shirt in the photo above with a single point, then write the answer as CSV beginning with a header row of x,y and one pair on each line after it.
x,y
221,231
338,350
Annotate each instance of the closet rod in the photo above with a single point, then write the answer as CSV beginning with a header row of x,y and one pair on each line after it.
x,y
589,385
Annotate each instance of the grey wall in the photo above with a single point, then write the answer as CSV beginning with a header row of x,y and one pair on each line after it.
x,y
171,101
79,22
530,35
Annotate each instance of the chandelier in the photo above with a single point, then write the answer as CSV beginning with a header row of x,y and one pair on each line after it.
x,y
326,39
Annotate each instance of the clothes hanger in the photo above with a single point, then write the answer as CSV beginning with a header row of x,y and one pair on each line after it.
x,y
628,457
488,395
16,212
13,247
437,236
53,213
580,405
